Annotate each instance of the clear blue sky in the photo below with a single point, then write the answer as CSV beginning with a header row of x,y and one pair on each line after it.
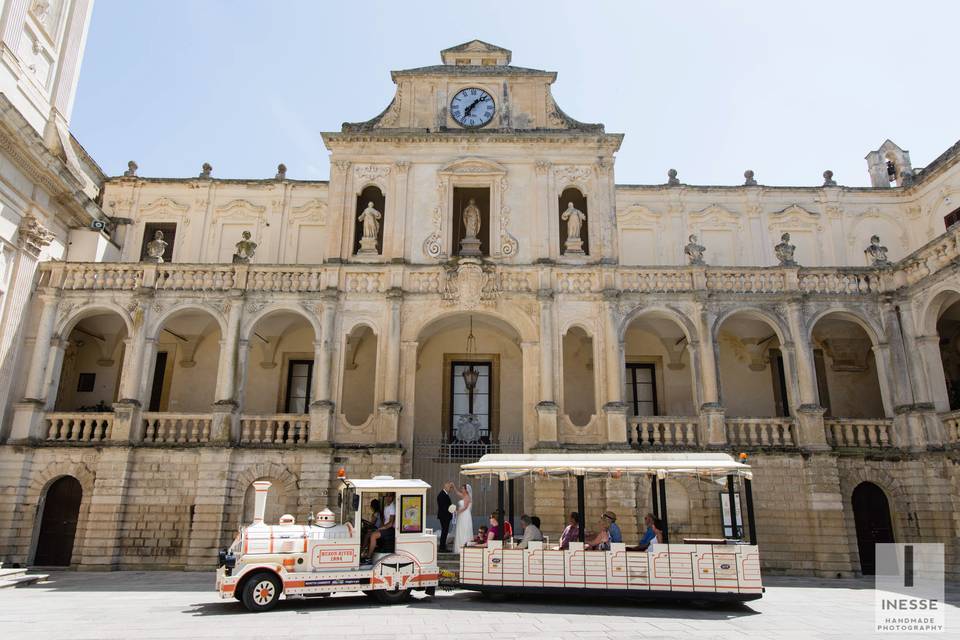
x,y
711,88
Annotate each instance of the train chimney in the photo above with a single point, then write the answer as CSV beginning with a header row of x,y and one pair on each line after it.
x,y
260,500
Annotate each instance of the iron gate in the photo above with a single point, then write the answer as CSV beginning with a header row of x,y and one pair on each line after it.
x,y
436,461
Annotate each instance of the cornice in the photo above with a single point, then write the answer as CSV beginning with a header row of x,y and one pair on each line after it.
x,y
611,141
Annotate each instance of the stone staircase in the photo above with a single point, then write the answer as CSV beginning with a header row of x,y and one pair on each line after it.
x,y
449,562
19,578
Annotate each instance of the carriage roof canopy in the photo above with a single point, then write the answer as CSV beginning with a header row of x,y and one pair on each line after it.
x,y
508,466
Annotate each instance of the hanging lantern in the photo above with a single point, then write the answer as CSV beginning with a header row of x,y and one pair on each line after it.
x,y
471,375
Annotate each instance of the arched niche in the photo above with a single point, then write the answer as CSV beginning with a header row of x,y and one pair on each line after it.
x,y
359,375
948,331
579,397
579,200
369,194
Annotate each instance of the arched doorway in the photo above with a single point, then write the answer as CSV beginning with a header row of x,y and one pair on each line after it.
x,y
456,422
58,524
871,514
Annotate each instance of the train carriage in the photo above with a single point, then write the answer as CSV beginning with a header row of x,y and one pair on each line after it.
x,y
696,569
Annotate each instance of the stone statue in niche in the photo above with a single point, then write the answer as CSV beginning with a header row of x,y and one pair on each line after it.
x,y
470,244
246,249
694,251
784,251
156,247
876,253
370,218
574,219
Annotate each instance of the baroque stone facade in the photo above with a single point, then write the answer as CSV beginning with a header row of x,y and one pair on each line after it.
x,y
166,388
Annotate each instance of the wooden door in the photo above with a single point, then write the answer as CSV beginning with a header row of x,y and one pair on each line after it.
x,y
871,514
58,524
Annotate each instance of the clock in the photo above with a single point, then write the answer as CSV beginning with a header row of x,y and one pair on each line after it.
x,y
472,107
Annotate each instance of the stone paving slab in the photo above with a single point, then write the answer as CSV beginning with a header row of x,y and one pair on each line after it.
x,y
156,605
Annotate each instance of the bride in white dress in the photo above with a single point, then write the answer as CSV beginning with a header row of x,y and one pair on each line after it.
x,y
464,531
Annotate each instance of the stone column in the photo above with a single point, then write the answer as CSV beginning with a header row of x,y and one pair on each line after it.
x,y
226,404
28,414
809,413
390,408
928,348
408,393
127,410
712,429
547,432
321,409
923,411
908,431
614,409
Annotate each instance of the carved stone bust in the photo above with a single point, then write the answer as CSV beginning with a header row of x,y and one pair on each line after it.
x,y
784,251
694,250
246,249
876,253
156,248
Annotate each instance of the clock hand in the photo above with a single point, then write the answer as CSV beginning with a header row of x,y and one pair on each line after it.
x,y
467,111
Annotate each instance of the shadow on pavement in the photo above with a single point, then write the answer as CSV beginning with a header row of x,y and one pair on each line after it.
x,y
469,601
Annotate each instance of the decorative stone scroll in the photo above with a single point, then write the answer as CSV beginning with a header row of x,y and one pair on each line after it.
x,y
33,235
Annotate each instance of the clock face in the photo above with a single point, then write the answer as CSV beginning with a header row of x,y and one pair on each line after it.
x,y
472,107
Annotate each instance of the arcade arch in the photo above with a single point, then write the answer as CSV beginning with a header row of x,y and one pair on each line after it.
x,y
279,373
183,369
91,363
754,373
848,381
660,378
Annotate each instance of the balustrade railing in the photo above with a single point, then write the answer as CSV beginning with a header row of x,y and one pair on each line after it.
x,y
858,432
79,427
420,279
663,431
283,428
176,428
951,424
761,432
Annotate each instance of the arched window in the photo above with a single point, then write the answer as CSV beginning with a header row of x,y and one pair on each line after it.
x,y
370,196
569,246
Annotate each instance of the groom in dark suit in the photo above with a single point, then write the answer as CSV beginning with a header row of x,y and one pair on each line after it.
x,y
444,515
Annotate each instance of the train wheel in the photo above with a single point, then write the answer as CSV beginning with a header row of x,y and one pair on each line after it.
x,y
392,597
261,592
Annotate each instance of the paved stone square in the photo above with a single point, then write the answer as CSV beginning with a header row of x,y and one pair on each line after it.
x,y
183,605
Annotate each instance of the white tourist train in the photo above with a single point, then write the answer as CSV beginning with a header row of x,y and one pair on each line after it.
x,y
324,557
704,569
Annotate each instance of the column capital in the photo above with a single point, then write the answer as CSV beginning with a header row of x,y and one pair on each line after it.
x,y
395,294
611,295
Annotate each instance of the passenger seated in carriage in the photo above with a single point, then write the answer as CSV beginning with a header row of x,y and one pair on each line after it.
x,y
572,532
479,540
384,534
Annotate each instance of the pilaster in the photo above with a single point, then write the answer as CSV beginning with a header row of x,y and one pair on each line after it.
x,y
212,497
101,542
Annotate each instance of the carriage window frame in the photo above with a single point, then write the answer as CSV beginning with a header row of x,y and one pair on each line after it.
x,y
413,500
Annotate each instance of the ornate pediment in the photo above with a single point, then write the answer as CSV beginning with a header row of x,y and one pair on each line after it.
x,y
638,216
716,214
794,217
239,209
473,166
314,210
164,204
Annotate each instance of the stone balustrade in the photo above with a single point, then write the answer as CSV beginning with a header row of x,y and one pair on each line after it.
x,y
858,432
761,432
176,428
283,428
663,431
80,427
951,425
434,279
